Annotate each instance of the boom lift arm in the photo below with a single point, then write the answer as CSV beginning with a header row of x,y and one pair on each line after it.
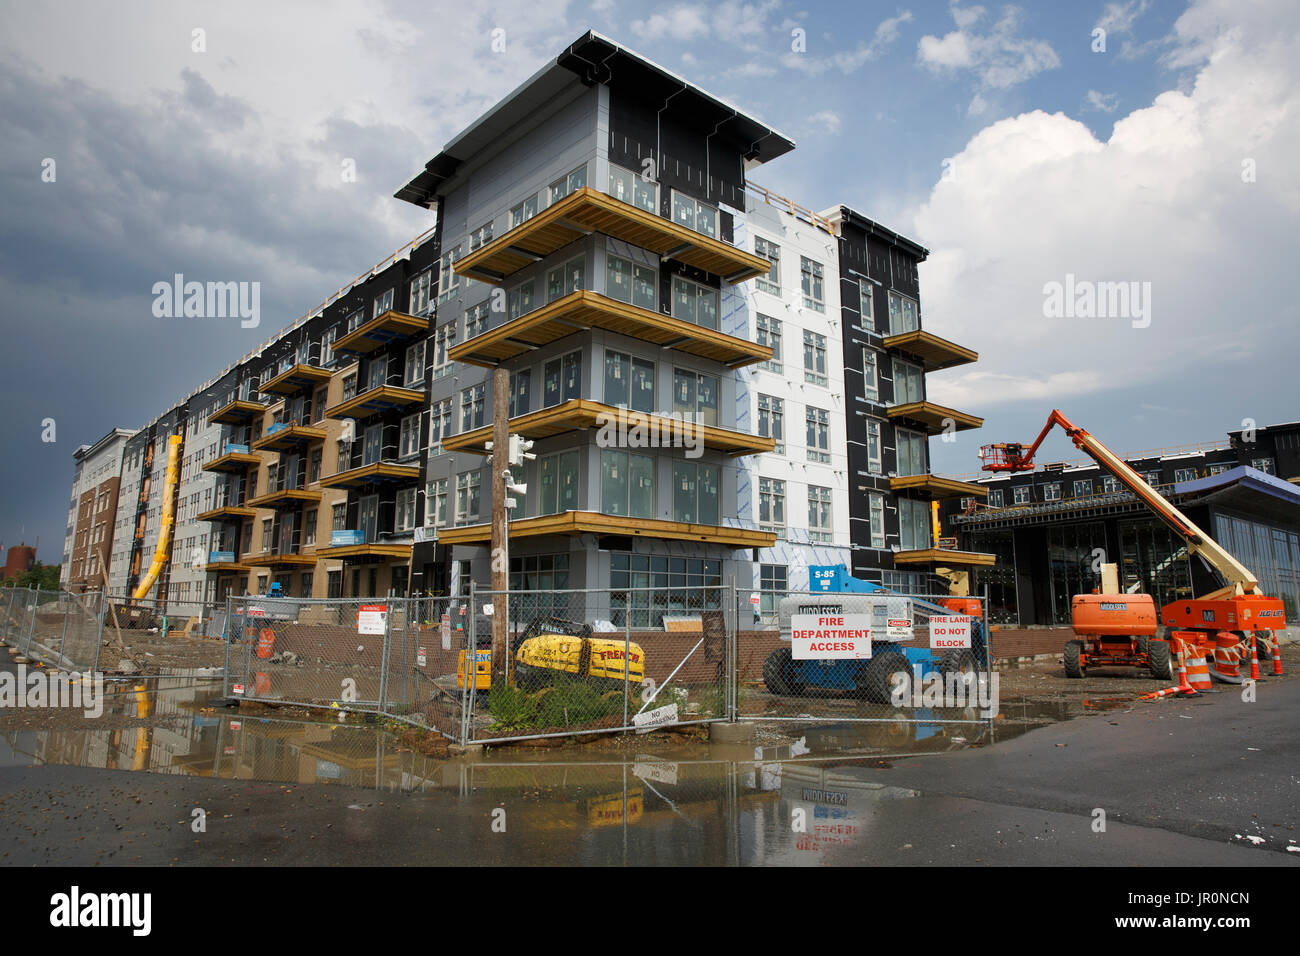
x,y
1014,457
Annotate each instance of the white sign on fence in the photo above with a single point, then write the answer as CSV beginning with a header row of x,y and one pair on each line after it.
x,y
949,631
446,632
651,719
370,618
420,659
820,637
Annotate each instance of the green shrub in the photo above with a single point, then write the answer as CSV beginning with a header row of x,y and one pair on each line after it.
x,y
511,707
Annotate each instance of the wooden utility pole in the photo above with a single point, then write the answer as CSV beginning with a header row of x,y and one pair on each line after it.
x,y
500,544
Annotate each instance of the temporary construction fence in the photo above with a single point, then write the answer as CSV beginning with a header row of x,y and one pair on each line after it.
x,y
57,628
578,661
931,658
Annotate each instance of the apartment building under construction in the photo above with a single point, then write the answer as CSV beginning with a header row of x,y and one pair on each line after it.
x,y
596,234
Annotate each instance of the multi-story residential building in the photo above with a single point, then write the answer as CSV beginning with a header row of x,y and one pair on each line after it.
x,y
1052,528
689,353
92,513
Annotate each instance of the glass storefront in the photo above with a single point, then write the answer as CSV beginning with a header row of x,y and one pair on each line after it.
x,y
1155,562
1000,580
1271,553
1072,557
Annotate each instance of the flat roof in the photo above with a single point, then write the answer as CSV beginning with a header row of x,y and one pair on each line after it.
x,y
591,59
873,228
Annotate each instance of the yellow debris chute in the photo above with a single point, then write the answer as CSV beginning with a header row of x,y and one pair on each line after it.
x,y
168,518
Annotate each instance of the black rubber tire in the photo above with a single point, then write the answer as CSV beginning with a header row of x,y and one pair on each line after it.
x,y
877,686
1162,660
960,661
1073,659
777,672
1261,646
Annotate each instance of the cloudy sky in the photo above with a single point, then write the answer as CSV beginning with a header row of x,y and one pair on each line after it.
x,y
1016,142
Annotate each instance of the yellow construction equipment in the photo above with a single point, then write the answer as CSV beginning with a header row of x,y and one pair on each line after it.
x,y
168,518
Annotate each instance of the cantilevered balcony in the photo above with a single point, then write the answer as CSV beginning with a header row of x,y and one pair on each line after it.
x,y
285,436
582,311
293,380
937,488
352,543
224,561
230,511
376,473
590,522
373,401
236,459
284,498
580,414
237,412
587,211
933,419
943,558
291,558
382,330
934,352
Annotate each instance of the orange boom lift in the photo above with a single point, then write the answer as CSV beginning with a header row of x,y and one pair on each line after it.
x,y
1238,609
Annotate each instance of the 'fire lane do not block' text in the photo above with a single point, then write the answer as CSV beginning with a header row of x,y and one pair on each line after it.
x,y
949,632
830,637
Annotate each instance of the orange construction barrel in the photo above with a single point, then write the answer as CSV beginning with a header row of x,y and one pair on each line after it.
x,y
266,642
1198,671
1227,658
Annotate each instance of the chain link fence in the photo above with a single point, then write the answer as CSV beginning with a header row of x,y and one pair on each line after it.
x,y
56,628
930,658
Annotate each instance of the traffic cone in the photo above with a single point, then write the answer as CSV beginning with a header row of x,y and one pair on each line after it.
x,y
1254,659
1275,645
1184,689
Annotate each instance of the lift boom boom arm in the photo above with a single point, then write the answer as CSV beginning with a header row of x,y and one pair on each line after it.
x,y
1015,457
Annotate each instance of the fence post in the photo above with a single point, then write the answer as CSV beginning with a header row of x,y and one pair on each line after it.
x,y
63,640
386,653
471,654
226,635
732,671
31,630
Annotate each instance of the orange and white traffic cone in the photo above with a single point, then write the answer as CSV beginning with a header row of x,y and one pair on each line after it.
x,y
1184,689
1275,645
1254,659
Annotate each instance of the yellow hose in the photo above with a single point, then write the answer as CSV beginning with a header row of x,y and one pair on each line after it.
x,y
168,518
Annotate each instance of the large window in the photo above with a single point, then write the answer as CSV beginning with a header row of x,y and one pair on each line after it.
x,y
631,188
414,377
870,376
631,282
911,452
695,492
443,339
404,519
557,481
814,293
410,436
524,211
1263,464
773,582
439,423
913,524
565,279
695,303
908,383
383,303
874,460
1110,485
627,484
877,505
568,184
521,299
645,588
902,314
481,236
1022,494
520,392
1052,491
1082,487
771,420
472,407
563,379
421,288
372,446
865,303
819,515
772,253
694,214
814,358
695,396
819,434
629,382
538,574
435,503
771,505
467,497
448,281
995,498
769,333
476,319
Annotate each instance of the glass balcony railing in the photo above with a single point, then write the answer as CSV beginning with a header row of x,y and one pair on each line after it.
x,y
340,539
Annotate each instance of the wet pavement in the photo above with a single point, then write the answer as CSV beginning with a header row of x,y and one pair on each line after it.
x,y
1210,781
